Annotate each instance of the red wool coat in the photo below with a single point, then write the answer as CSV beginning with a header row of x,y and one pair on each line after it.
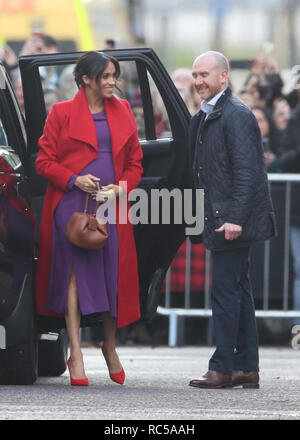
x,y
69,144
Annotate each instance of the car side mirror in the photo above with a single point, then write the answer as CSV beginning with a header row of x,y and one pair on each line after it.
x,y
10,163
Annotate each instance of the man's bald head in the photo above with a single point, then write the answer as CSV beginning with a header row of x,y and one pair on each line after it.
x,y
220,61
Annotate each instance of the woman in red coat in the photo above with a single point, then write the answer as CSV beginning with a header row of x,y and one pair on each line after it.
x,y
88,140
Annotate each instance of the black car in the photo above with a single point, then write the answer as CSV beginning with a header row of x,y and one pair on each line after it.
x,y
32,345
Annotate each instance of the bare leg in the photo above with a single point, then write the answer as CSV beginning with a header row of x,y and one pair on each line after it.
x,y
109,346
73,324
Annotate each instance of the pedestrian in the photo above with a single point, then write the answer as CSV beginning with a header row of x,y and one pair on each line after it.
x,y
270,138
289,156
9,59
88,140
227,157
281,114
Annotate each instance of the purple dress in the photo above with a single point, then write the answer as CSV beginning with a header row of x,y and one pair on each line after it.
x,y
96,271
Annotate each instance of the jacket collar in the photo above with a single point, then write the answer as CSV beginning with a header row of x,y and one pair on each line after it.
x,y
219,105
218,109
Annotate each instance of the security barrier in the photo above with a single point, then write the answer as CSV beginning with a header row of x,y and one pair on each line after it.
x,y
271,292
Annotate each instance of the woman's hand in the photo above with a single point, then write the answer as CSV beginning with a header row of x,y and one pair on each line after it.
x,y
107,193
87,183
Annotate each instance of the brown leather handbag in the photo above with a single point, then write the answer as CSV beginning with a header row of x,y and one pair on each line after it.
x,y
84,230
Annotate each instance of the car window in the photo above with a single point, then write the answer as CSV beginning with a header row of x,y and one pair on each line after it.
x,y
58,84
161,118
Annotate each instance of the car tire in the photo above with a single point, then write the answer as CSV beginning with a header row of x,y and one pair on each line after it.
x,y
18,364
53,355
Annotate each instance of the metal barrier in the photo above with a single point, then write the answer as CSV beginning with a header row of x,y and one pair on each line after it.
x,y
265,312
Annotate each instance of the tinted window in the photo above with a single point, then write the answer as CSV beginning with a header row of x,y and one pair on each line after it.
x,y
58,85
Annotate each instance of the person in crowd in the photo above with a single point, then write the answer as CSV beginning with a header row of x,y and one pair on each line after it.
x,y
18,89
110,43
227,163
50,74
67,87
34,45
138,112
89,140
246,97
289,156
183,81
281,114
269,136
161,119
50,97
264,81
50,44
9,59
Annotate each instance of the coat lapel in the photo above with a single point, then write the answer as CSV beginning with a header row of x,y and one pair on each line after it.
x,y
218,109
121,125
82,126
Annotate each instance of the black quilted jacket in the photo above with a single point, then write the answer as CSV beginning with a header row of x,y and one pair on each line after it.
x,y
227,162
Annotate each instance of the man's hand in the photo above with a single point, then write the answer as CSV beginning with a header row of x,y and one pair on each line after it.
x,y
231,231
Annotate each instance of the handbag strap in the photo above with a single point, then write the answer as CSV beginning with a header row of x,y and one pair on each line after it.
x,y
86,205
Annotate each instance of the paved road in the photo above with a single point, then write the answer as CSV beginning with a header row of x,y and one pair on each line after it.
x,y
156,388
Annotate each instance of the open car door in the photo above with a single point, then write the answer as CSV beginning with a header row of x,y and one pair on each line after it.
x,y
162,119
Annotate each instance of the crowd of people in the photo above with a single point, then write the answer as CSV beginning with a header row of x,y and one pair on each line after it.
x,y
277,114
58,83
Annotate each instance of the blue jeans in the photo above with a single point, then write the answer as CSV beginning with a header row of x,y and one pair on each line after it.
x,y
295,247
233,313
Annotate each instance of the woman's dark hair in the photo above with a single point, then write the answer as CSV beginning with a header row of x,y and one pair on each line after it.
x,y
93,64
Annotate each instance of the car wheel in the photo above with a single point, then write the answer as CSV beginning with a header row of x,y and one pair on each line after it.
x,y
53,348
18,364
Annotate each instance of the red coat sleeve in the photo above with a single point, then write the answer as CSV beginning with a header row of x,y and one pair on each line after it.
x,y
47,164
133,169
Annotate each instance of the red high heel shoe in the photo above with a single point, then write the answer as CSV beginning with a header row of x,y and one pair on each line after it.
x,y
116,377
77,382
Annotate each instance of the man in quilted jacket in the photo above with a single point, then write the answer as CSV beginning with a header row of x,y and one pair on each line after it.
x,y
227,163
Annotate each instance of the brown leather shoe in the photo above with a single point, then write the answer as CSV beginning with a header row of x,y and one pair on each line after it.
x,y
212,379
246,380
